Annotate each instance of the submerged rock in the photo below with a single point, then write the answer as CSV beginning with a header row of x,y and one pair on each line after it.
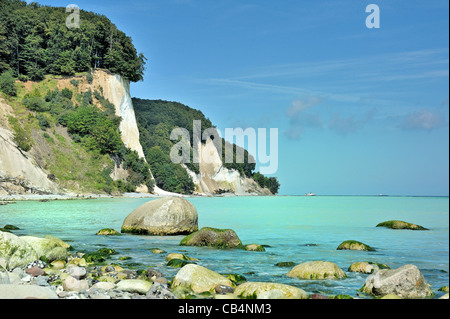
x,y
269,290
213,237
363,268
317,270
178,263
254,247
108,232
285,264
199,279
157,251
398,224
405,282
11,227
444,289
354,245
366,267
160,217
179,256
98,256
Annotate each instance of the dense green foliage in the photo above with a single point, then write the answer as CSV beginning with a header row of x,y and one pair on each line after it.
x,y
269,182
21,137
96,129
34,41
7,83
169,176
156,120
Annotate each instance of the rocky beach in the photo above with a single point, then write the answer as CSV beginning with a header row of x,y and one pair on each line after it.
x,y
50,268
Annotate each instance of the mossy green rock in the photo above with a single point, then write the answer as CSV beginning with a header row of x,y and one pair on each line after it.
x,y
59,242
48,249
285,264
199,279
162,217
108,232
177,263
317,270
398,224
99,256
15,252
354,245
268,290
213,237
236,278
11,227
180,257
254,247
157,251
343,297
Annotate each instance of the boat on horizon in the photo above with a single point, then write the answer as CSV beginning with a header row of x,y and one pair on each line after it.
x,y
310,194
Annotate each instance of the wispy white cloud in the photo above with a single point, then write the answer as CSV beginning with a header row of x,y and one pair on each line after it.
x,y
394,66
283,89
345,125
424,120
302,116
349,80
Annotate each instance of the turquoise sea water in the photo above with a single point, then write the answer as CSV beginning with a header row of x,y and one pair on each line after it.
x,y
288,224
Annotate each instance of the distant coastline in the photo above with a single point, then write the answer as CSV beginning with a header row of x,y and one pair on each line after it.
x,y
51,197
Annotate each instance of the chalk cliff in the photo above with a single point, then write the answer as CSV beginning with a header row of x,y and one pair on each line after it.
x,y
215,177
116,89
19,172
25,172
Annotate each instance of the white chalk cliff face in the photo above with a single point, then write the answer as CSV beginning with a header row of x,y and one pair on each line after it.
x,y
214,176
19,173
117,90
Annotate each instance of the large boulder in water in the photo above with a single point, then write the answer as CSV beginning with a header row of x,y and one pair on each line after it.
x,y
160,217
213,237
317,270
15,252
406,282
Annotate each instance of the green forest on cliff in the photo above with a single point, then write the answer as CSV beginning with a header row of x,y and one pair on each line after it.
x,y
36,45
34,41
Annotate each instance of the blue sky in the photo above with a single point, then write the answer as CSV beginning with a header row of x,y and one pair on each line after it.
x,y
359,111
